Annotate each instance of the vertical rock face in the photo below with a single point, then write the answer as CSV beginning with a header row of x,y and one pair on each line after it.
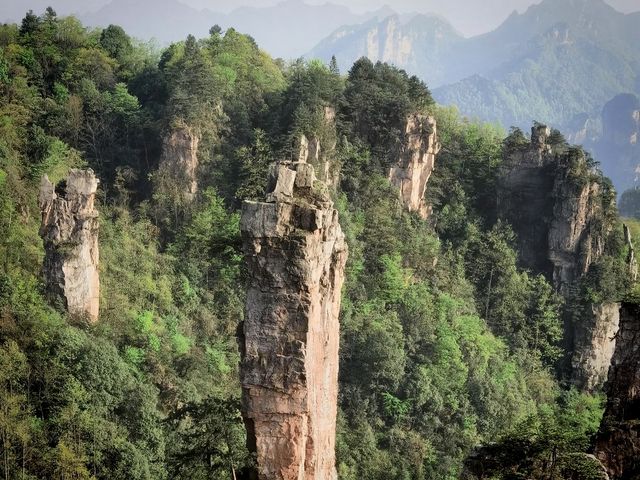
x,y
524,197
295,254
617,444
632,262
321,154
554,206
593,345
416,162
70,233
572,245
180,160
552,213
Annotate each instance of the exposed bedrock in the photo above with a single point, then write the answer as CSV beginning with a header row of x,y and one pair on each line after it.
x,y
555,205
416,162
179,161
617,444
295,255
319,149
70,234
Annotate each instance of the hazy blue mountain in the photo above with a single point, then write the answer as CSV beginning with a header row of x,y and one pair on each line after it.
x,y
164,20
615,140
291,28
14,10
418,43
555,61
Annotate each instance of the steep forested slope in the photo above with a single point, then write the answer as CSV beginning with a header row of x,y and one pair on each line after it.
x,y
434,360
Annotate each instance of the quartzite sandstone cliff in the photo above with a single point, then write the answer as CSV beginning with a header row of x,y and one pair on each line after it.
x,y
70,233
555,206
416,162
295,253
618,441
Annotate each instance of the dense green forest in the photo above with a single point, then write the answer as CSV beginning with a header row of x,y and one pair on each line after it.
x,y
430,368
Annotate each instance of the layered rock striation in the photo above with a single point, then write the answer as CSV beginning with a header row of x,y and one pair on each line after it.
x,y
295,255
617,444
416,162
70,234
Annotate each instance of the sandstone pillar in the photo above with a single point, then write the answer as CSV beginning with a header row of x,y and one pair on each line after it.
x,y
295,253
70,233
416,163
618,441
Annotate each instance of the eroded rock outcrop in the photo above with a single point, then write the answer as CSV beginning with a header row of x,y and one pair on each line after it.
x,y
632,262
295,254
319,149
70,233
416,162
574,243
553,204
179,161
617,444
594,341
556,205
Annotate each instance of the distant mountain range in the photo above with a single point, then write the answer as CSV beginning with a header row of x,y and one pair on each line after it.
x,y
557,60
418,43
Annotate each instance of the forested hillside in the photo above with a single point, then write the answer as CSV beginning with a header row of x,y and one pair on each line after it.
x,y
447,342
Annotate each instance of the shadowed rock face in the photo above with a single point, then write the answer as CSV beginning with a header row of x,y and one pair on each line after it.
x,y
617,444
416,163
554,207
296,254
552,213
593,346
524,200
70,233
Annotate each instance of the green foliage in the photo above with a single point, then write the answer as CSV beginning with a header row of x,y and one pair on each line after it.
x,y
254,166
544,445
446,344
210,441
377,100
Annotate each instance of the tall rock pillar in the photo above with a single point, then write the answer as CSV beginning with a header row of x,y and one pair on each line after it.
x,y
554,203
416,163
70,233
295,254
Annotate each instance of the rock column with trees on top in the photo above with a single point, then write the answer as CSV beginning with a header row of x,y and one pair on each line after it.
x,y
416,162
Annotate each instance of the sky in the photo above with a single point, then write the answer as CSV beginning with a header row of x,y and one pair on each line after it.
x,y
470,17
